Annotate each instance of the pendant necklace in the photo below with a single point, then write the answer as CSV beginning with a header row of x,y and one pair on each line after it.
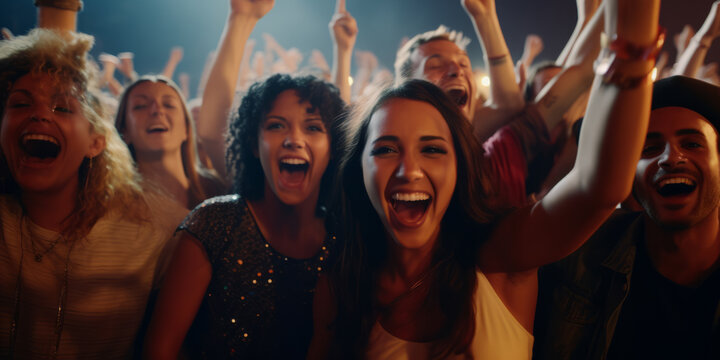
x,y
62,300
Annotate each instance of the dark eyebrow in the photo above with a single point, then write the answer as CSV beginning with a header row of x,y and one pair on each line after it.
x,y
386,138
21,91
432,137
689,132
275,117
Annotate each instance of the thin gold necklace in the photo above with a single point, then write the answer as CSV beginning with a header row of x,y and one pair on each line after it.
x,y
62,300
39,254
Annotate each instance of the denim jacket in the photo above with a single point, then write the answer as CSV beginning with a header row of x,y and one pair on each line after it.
x,y
581,296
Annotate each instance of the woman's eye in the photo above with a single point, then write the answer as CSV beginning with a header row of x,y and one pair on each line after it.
x,y
382,150
273,126
434,150
139,106
62,109
692,145
169,106
316,128
19,104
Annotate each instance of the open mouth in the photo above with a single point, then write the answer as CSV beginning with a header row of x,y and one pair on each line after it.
x,y
157,129
458,95
676,187
410,208
40,146
293,171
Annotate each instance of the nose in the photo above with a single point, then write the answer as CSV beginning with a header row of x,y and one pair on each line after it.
x,y
41,112
454,69
293,140
672,156
409,169
155,108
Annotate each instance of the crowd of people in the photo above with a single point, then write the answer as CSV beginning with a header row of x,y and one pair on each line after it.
x,y
570,211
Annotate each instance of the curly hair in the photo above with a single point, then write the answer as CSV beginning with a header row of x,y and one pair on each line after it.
x,y
106,181
404,66
364,249
242,139
204,182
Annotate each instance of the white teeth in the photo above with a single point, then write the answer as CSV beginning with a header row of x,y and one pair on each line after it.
x,y
40,137
293,161
677,180
416,196
455,87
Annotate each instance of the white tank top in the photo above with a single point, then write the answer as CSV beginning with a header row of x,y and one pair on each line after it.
x,y
498,335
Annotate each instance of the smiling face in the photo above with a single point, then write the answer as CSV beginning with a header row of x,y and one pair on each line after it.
x,y
444,64
155,119
678,176
294,149
409,170
45,136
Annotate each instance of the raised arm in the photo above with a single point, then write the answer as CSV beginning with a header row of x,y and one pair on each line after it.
x,y
692,58
504,92
343,30
58,14
183,289
611,140
219,92
176,54
585,11
575,78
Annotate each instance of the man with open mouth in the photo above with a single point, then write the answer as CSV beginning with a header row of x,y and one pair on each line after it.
x,y
647,284
513,133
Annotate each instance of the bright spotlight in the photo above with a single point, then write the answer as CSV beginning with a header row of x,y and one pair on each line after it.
x,y
485,81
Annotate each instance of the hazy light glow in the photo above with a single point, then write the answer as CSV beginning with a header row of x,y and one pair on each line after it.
x,y
485,81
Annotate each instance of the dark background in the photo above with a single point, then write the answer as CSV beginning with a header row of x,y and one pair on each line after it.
x,y
150,28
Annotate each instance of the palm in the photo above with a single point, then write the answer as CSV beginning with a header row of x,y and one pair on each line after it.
x,y
253,8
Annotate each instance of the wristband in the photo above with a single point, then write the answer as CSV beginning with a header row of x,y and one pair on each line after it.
x,y
620,51
72,5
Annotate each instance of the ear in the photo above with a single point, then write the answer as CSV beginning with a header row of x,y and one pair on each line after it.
x,y
97,145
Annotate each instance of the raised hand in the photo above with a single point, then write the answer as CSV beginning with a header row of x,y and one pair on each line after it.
x,y
126,65
317,59
533,47
682,39
711,26
6,33
254,9
479,7
343,27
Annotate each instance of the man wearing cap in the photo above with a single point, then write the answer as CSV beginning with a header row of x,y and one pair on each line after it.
x,y
647,285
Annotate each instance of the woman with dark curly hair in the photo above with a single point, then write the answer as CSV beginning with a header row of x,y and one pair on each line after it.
x,y
247,264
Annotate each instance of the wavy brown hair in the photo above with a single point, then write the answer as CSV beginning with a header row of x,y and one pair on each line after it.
x,y
453,282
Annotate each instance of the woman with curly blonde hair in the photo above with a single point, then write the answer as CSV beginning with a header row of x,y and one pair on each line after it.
x,y
80,243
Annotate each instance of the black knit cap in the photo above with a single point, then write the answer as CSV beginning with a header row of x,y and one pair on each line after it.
x,y
693,94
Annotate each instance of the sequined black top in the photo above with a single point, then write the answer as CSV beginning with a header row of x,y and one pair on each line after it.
x,y
259,303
